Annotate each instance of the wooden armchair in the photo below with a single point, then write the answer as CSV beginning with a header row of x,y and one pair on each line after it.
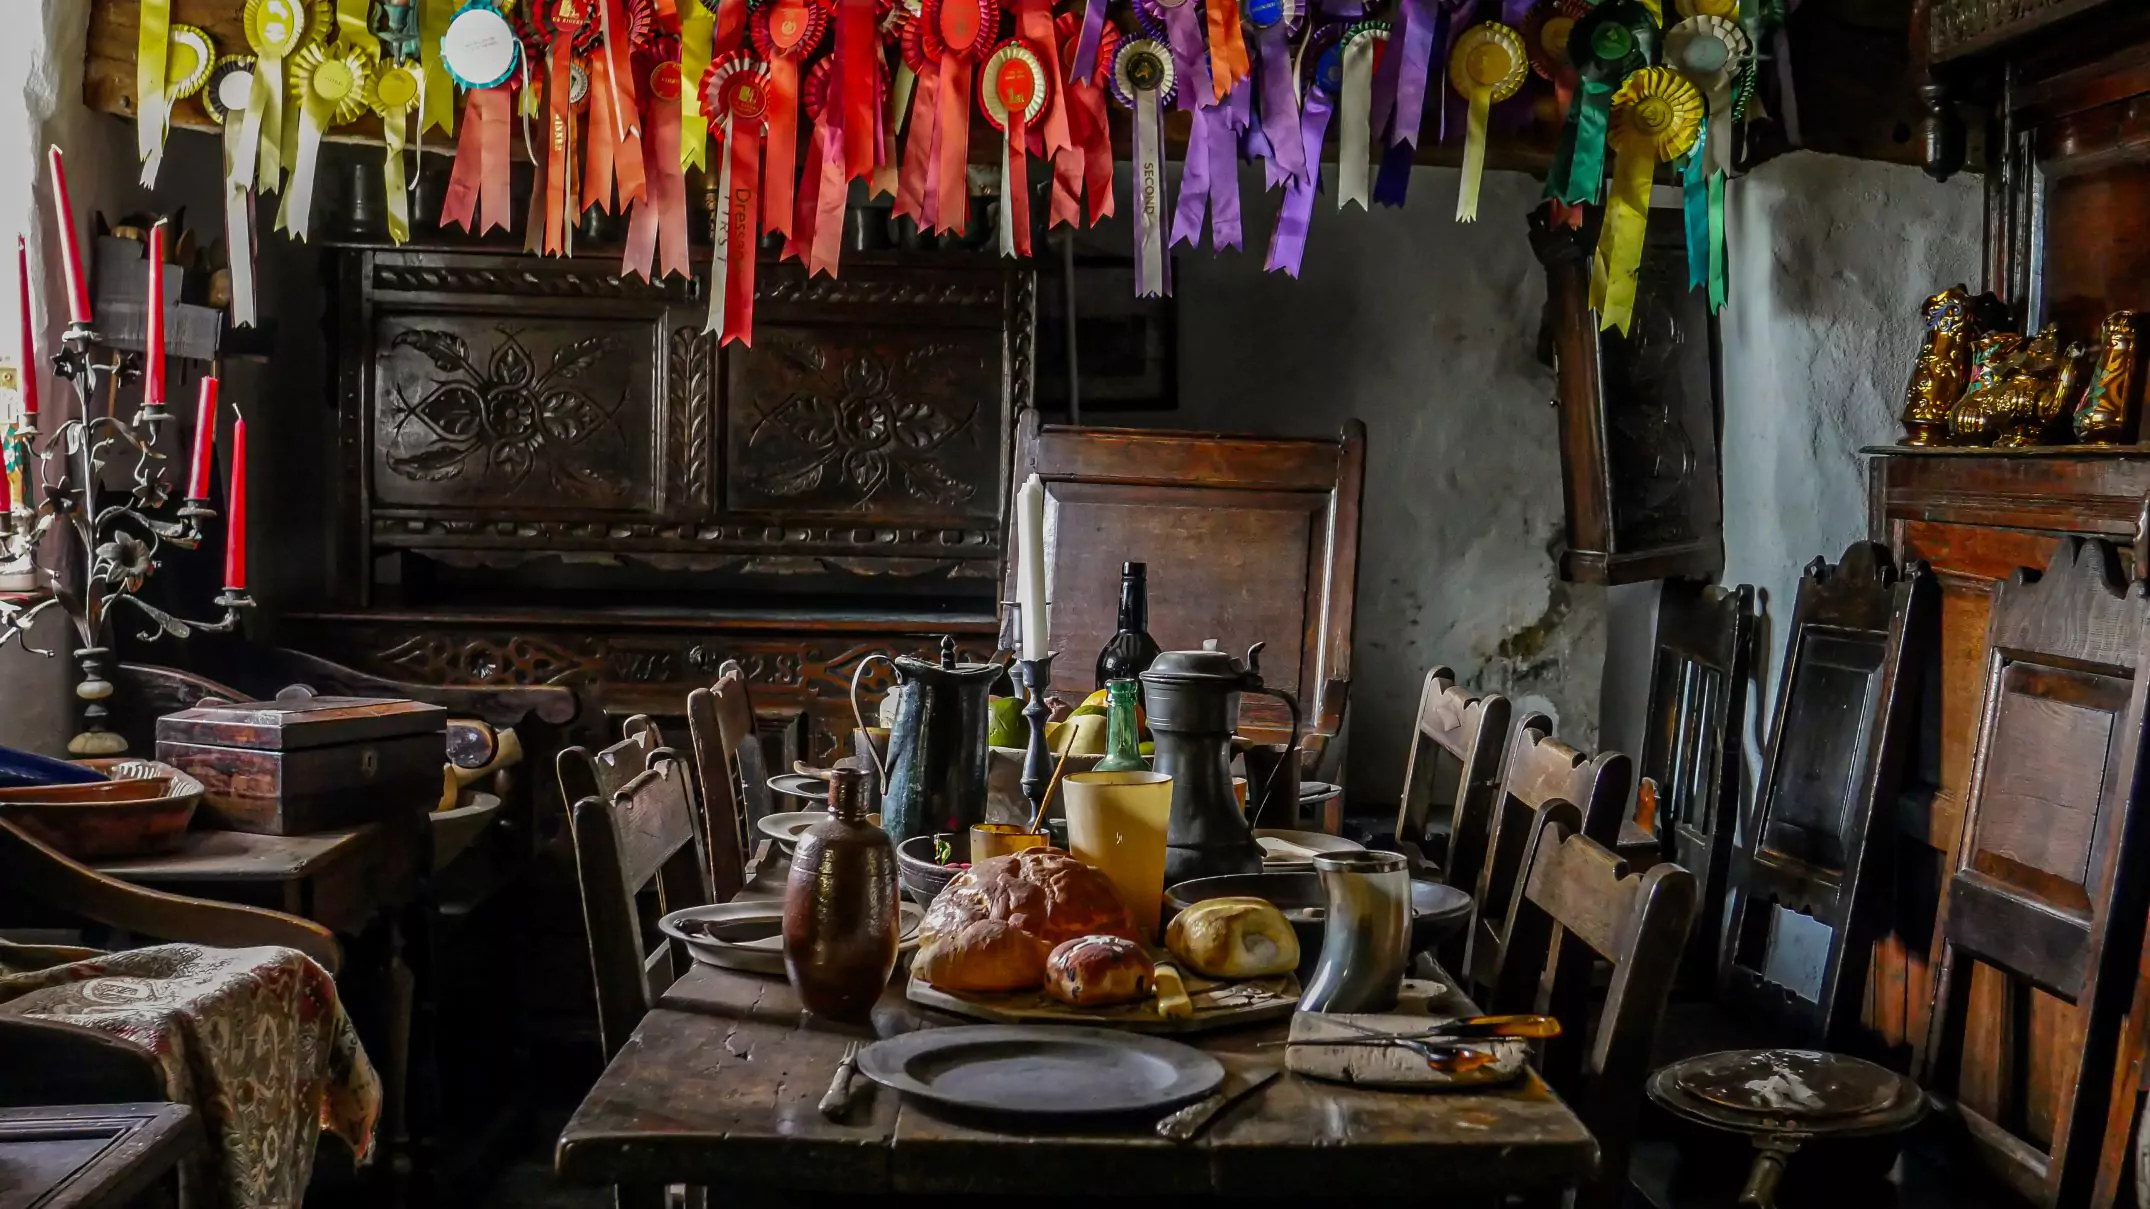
x,y
1580,904
51,1062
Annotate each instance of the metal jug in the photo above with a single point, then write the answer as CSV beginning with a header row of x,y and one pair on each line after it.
x,y
1192,698
934,777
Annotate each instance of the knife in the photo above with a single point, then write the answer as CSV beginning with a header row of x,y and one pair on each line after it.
x,y
837,1099
1183,1125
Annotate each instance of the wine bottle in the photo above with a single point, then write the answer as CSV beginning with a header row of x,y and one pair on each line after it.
x,y
1123,729
1131,649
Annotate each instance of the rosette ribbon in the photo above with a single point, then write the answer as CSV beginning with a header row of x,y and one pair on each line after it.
x,y
658,226
554,186
331,90
1013,90
152,42
184,60
230,91
1209,174
785,32
354,27
817,228
436,104
275,29
1656,118
1142,80
392,94
917,196
894,103
1487,66
1360,48
1709,52
1287,242
1034,25
1276,88
957,34
735,95
1083,168
481,53
1545,36
1616,39
613,163
697,33
858,83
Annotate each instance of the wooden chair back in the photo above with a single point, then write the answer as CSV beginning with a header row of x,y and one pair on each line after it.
x,y
1581,904
1248,539
1452,775
721,722
2050,880
645,836
1537,769
1847,706
1692,745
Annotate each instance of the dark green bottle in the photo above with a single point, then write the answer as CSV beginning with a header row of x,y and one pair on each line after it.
x,y
1123,733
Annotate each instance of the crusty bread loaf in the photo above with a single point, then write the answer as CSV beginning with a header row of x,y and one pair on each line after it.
x,y
1234,938
1043,893
1092,971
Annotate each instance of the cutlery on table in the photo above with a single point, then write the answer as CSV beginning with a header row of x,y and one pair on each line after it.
x,y
1182,1126
1536,1028
836,1100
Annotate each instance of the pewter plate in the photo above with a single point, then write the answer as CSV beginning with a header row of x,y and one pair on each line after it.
x,y
749,936
799,785
1058,1070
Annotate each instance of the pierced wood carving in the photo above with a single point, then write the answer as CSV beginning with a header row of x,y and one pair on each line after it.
x,y
1954,25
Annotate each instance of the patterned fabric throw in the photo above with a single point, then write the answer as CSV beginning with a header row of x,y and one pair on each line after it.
x,y
254,1039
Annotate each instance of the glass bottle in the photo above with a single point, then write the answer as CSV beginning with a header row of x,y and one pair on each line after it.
x,y
1131,650
1123,729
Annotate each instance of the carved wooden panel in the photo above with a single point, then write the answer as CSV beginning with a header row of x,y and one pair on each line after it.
x,y
1958,27
487,414
897,422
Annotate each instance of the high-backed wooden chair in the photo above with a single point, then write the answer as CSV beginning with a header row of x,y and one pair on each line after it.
x,y
644,835
1846,712
1450,784
721,721
1691,749
1579,904
2050,878
1536,770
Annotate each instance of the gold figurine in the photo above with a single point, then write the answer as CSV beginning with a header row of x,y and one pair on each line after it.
x,y
1942,368
2108,410
1976,419
2028,403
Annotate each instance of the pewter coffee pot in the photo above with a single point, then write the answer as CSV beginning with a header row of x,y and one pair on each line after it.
x,y
934,778
1192,698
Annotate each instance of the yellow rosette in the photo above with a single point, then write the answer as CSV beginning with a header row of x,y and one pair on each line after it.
x,y
181,66
1690,9
697,35
436,101
392,94
228,99
275,29
1656,117
329,86
1487,65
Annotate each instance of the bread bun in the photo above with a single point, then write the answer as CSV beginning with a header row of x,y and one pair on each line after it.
x,y
1093,971
1043,893
1234,938
986,955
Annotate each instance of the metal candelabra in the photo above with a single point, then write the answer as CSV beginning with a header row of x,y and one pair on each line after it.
x,y
120,544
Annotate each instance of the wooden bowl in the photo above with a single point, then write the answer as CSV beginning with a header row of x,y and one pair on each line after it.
x,y
143,810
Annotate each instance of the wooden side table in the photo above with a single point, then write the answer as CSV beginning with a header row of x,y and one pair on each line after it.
x,y
91,1156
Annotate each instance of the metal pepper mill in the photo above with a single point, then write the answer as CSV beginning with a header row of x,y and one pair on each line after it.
x,y
1192,698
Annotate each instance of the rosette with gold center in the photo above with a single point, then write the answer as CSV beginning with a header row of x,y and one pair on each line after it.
x,y
276,29
329,84
1487,65
393,94
1656,118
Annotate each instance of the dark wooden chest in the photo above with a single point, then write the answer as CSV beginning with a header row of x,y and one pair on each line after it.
x,y
300,765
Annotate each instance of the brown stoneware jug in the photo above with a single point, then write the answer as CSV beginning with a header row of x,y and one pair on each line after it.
x,y
841,922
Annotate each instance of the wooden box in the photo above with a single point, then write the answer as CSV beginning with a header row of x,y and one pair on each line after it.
x,y
300,765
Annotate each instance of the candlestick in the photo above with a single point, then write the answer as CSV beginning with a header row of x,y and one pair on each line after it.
x,y
1030,569
204,440
1036,677
153,380
78,283
29,338
235,530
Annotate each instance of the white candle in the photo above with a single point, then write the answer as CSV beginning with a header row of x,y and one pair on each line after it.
x,y
1030,567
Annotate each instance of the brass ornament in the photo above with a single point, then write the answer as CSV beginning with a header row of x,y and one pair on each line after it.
x,y
1974,421
1955,321
2107,411
2028,403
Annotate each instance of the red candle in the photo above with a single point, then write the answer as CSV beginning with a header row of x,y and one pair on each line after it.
x,y
235,529
29,340
78,285
204,438
153,379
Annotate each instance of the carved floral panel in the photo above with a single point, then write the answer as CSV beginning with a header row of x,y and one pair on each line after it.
x,y
484,412
886,421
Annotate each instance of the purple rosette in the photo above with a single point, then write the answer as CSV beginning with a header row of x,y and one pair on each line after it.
x,y
1323,66
1182,21
1276,143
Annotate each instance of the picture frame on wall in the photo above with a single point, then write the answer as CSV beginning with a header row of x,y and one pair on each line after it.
x,y
1126,348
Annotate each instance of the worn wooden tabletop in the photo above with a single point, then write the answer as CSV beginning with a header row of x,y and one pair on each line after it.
x,y
720,1086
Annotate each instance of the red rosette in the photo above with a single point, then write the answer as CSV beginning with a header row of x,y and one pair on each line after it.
x,y
664,81
1067,27
911,42
966,29
788,29
736,88
1013,81
814,90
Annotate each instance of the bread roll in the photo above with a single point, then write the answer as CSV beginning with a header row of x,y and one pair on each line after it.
x,y
1042,893
1093,971
1234,938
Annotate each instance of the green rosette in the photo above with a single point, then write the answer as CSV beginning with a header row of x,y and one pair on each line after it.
x,y
1610,43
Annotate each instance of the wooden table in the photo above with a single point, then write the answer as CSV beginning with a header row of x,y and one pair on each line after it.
x,y
720,1084
91,1156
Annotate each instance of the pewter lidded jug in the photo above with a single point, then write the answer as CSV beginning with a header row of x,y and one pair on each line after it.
x,y
1192,698
934,778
